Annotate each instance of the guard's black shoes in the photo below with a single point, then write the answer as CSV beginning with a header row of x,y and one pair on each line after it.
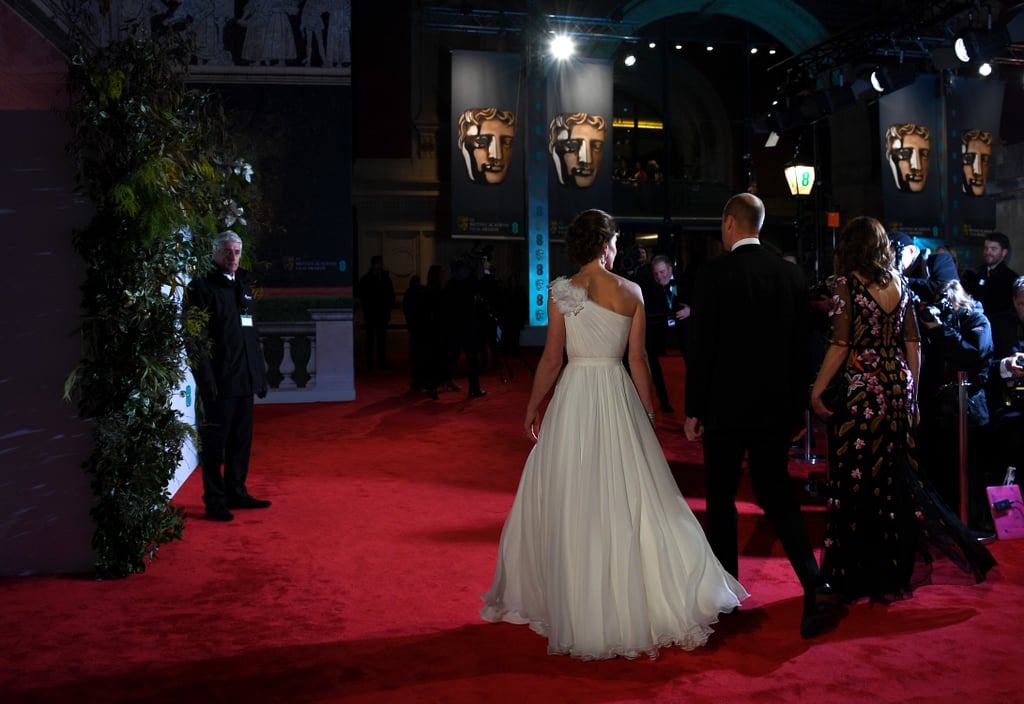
x,y
219,513
247,502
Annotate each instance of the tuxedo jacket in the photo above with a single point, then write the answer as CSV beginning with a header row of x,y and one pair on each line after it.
x,y
658,310
748,349
1008,340
994,288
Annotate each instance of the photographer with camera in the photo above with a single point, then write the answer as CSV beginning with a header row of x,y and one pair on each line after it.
x,y
926,273
956,337
634,265
1006,387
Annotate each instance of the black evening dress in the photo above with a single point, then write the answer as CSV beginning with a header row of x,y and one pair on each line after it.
x,y
887,530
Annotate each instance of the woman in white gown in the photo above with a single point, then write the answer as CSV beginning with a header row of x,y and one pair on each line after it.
x,y
600,552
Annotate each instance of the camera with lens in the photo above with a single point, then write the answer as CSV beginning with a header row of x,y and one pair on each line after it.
x,y
930,314
937,311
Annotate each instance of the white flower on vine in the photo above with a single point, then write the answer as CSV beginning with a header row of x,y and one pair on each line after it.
x,y
243,169
233,213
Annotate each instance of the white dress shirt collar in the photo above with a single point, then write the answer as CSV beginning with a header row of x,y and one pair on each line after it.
x,y
745,241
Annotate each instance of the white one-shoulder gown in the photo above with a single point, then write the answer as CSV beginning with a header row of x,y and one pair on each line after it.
x,y
600,552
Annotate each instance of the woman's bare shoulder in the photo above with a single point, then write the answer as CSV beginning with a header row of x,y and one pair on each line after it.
x,y
625,286
625,295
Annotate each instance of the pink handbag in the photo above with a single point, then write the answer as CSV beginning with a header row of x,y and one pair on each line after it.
x,y
1007,508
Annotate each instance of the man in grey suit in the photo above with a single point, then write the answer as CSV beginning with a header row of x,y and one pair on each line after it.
x,y
747,377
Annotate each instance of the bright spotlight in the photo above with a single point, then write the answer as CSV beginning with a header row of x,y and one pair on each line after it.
x,y
876,83
709,47
652,45
562,46
985,69
630,60
679,47
753,50
960,49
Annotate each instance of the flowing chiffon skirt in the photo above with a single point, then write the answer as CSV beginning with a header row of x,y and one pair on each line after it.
x,y
600,552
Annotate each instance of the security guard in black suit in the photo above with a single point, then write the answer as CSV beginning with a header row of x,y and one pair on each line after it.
x,y
227,379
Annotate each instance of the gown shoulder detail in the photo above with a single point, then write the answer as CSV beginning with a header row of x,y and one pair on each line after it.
x,y
568,297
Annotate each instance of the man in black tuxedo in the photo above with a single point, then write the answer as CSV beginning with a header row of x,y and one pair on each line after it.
x,y
666,316
1005,390
746,391
992,282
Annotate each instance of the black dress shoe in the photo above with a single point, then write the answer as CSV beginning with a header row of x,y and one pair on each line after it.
x,y
477,394
247,502
821,612
219,513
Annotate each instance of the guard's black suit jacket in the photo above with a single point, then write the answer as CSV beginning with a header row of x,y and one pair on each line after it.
x,y
747,364
234,368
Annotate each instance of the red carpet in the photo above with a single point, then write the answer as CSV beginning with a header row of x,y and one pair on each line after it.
x,y
362,583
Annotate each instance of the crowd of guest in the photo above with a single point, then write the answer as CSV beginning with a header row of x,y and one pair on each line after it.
x,y
464,316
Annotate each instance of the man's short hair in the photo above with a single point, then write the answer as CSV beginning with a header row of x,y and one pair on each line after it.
x,y
998,237
226,236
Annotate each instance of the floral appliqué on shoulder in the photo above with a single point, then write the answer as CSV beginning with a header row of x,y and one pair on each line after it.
x,y
568,298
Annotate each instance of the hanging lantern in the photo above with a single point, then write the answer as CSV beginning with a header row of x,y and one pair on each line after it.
x,y
800,178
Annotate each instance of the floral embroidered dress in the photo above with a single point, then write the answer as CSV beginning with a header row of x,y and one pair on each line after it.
x,y
887,530
600,552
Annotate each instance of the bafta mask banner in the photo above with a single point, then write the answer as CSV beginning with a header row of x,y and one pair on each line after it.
x,y
974,108
579,103
910,121
936,154
487,163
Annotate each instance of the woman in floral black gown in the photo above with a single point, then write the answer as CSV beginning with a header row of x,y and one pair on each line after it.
x,y
887,530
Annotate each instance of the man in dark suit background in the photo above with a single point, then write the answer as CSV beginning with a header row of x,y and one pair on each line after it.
x,y
746,390
1005,391
666,315
992,282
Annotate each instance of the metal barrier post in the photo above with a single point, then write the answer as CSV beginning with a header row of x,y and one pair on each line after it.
x,y
961,385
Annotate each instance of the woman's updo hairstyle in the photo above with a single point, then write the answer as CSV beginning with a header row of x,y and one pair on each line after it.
x,y
587,235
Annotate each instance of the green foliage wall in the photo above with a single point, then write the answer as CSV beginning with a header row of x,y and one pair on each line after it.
x,y
152,156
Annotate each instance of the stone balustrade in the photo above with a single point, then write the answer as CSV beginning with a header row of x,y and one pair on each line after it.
x,y
310,361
